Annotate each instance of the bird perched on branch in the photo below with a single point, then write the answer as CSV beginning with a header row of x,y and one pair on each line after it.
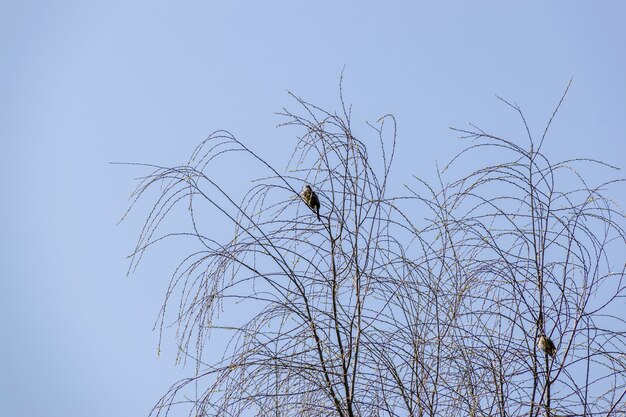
x,y
311,199
546,345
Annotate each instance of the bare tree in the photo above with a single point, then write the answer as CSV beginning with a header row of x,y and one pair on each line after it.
x,y
429,303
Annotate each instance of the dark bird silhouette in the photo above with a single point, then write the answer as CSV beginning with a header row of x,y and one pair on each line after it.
x,y
546,345
311,199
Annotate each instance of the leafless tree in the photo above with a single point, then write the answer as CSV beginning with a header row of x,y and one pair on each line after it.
x,y
427,302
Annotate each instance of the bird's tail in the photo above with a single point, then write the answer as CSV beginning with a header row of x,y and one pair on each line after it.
x,y
318,214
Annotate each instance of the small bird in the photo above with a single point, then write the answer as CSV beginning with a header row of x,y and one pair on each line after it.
x,y
310,198
546,345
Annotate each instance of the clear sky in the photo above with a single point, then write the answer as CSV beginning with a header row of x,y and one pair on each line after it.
x,y
83,83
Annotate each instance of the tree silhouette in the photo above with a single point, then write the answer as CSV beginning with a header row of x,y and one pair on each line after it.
x,y
429,303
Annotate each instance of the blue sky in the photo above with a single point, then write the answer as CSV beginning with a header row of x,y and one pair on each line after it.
x,y
83,83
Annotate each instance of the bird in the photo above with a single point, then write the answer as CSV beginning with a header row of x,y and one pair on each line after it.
x,y
311,199
546,345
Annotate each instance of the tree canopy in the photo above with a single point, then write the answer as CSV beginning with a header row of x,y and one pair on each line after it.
x,y
422,300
